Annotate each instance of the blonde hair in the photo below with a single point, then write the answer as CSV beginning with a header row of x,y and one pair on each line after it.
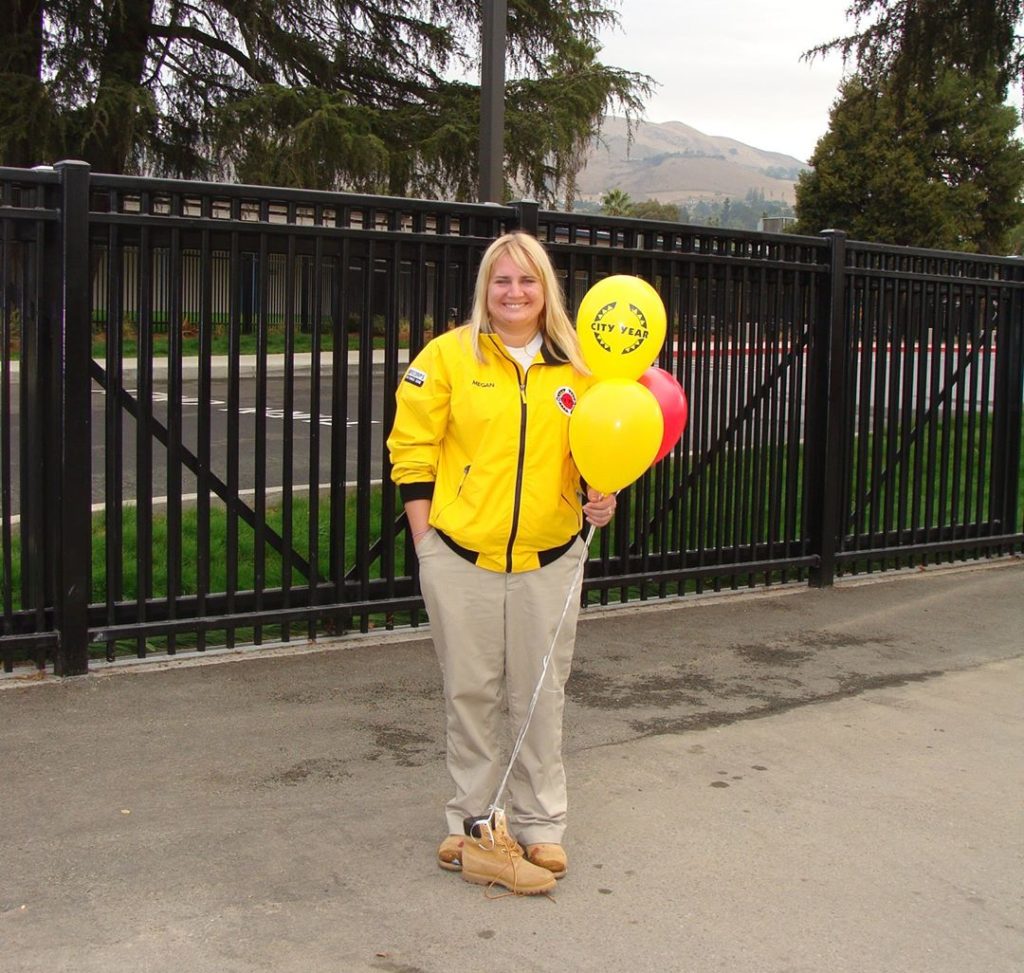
x,y
555,324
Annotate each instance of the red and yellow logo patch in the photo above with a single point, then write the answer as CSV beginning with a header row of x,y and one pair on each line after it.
x,y
566,399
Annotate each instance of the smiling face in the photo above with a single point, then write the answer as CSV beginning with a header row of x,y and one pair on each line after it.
x,y
515,300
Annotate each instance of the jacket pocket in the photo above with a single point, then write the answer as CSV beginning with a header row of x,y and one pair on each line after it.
x,y
458,493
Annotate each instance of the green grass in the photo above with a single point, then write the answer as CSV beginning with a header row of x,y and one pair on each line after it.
x,y
905,493
247,345
747,518
216,554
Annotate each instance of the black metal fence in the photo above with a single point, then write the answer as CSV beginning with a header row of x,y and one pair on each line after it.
x,y
197,380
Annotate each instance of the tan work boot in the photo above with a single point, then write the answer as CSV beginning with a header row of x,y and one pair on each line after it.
x,y
551,857
492,857
449,855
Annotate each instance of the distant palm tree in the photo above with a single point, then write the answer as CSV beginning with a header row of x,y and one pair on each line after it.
x,y
616,202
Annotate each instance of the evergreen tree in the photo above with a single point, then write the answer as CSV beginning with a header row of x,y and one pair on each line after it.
x,y
354,95
921,147
941,171
904,43
1015,241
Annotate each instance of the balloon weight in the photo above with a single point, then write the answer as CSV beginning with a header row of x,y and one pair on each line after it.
x,y
672,401
621,326
614,433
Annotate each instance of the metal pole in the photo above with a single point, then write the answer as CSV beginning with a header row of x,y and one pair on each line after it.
x,y
492,102
73,354
826,417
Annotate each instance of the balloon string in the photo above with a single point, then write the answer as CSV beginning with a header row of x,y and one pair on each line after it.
x,y
496,803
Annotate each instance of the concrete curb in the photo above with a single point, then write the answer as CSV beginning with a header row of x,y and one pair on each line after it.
x,y
248,366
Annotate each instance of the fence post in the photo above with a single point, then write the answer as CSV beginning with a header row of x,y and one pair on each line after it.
x,y
826,426
527,215
72,449
1007,408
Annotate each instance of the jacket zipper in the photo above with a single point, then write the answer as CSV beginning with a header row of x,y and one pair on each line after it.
x,y
520,463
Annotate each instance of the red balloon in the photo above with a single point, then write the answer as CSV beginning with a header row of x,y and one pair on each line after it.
x,y
672,401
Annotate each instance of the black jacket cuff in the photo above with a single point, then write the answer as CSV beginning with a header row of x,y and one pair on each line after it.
x,y
416,491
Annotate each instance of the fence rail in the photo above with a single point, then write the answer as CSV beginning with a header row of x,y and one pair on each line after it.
x,y
196,380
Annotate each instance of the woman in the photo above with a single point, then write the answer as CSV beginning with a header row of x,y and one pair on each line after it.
x,y
495,505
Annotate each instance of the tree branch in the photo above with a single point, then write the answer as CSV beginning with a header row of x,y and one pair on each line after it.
x,y
256,70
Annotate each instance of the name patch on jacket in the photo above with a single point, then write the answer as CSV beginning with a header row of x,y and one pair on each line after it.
x,y
415,377
566,399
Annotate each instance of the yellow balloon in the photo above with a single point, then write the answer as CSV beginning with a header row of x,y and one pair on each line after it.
x,y
621,326
615,432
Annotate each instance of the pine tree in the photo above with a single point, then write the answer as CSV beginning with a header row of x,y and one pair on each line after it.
x,y
941,171
921,147
903,43
317,93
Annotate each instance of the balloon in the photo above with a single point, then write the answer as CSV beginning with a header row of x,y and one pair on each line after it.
x,y
614,433
672,402
621,326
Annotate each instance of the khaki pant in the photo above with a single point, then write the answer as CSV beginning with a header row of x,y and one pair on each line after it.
x,y
492,632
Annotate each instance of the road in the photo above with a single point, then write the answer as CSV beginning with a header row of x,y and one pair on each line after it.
x,y
294,428
278,423
793,780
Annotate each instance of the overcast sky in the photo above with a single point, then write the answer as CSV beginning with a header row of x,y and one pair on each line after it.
x,y
732,67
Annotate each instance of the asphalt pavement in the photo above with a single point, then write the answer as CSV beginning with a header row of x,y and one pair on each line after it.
x,y
773,782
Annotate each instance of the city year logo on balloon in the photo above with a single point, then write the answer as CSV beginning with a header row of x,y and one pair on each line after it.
x,y
621,325
620,328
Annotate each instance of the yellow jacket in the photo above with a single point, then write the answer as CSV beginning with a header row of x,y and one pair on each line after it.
x,y
490,447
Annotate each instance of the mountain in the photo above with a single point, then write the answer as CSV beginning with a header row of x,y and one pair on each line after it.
x,y
674,163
